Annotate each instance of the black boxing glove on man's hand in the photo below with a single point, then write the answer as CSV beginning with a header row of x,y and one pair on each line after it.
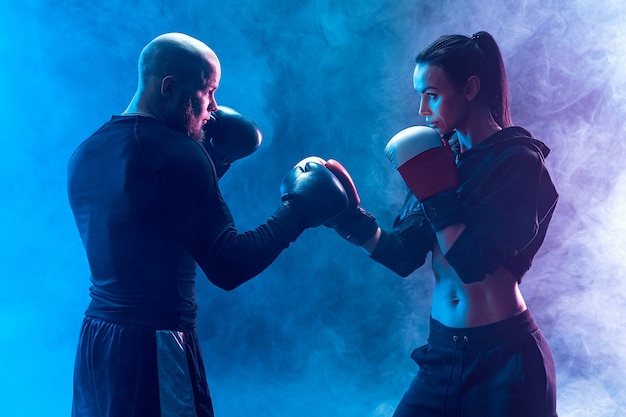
x,y
355,224
229,136
314,192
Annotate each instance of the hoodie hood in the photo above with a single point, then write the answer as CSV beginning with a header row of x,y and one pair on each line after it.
x,y
508,136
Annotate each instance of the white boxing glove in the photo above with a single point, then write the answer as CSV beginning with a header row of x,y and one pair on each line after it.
x,y
427,165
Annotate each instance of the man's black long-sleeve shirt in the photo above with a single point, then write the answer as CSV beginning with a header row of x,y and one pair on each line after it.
x,y
148,208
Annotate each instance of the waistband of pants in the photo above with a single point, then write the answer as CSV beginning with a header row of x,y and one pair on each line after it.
x,y
483,337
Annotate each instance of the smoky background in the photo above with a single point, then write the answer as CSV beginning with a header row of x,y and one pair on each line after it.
x,y
324,331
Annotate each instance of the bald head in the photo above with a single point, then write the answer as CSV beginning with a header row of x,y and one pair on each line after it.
x,y
178,77
178,55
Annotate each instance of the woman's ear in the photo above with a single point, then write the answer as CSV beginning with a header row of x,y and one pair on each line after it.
x,y
472,87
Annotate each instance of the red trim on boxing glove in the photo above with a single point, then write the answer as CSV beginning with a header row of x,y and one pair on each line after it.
x,y
344,177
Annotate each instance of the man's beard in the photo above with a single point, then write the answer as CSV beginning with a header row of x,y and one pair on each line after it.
x,y
192,124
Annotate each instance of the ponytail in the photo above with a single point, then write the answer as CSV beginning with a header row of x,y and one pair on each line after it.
x,y
497,91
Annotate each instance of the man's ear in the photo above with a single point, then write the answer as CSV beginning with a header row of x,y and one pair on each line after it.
x,y
472,87
167,86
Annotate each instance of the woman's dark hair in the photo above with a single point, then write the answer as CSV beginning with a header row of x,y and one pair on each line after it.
x,y
461,57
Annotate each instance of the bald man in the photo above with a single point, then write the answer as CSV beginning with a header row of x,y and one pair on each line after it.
x,y
146,202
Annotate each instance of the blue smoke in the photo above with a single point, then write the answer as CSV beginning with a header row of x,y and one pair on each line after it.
x,y
324,331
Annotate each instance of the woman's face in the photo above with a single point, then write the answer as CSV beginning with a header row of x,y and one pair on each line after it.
x,y
443,105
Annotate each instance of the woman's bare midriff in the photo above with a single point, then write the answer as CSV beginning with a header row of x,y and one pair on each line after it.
x,y
456,304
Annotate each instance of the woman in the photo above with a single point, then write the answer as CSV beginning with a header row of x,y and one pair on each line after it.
x,y
485,355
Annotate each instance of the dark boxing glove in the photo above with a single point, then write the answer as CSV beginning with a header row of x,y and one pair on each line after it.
x,y
229,136
426,163
313,191
355,224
